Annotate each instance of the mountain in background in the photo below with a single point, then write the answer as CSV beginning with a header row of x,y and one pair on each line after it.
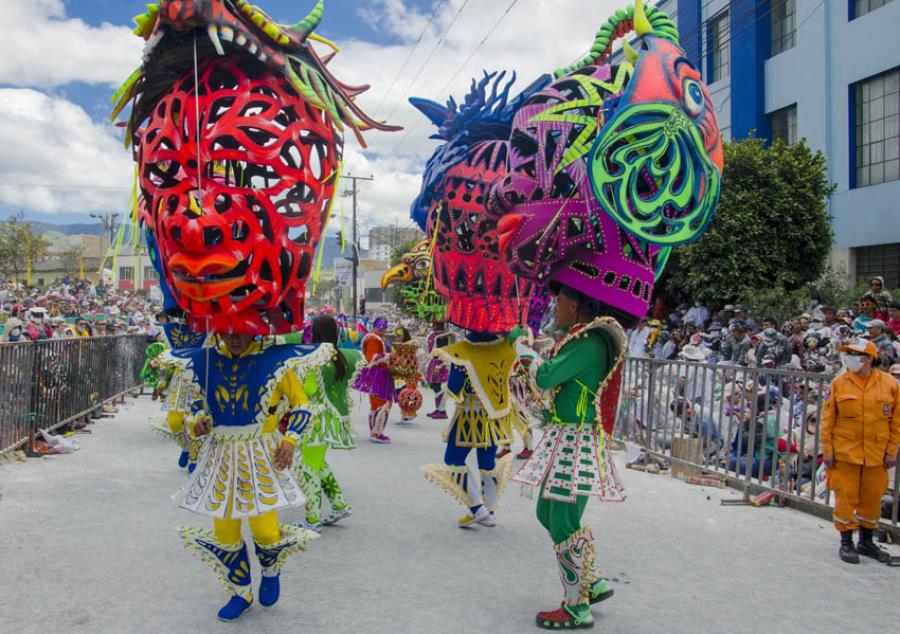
x,y
75,229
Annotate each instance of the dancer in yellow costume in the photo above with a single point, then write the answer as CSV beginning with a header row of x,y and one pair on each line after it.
x,y
244,467
479,383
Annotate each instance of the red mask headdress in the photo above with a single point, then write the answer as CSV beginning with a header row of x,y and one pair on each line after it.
x,y
237,170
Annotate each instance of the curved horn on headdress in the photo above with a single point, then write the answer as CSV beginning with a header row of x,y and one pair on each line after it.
x,y
642,25
309,24
642,21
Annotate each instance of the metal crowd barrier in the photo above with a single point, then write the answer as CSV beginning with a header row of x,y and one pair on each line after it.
x,y
757,428
48,384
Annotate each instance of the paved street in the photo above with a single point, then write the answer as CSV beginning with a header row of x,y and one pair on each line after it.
x,y
89,545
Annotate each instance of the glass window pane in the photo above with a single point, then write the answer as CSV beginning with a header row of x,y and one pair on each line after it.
x,y
892,82
892,170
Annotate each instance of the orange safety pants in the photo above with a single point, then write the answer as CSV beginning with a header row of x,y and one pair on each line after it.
x,y
857,494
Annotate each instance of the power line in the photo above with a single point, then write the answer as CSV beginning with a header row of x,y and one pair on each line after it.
x,y
409,57
428,59
462,66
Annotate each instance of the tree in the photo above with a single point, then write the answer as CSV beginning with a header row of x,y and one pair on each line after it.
x,y
771,233
19,246
71,261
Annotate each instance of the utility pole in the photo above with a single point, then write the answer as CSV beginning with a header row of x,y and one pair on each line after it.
x,y
353,192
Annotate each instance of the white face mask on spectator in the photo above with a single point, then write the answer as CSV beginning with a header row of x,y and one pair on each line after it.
x,y
852,363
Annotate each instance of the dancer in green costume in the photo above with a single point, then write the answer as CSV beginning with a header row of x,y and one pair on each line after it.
x,y
571,464
330,404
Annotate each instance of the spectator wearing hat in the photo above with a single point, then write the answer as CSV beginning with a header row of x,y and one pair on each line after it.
x,y
867,309
879,295
737,344
12,329
727,314
741,313
860,437
878,335
893,321
895,371
773,345
693,351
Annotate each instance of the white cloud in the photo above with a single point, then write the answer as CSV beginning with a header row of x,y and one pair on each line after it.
x,y
54,141
56,159
44,48
536,37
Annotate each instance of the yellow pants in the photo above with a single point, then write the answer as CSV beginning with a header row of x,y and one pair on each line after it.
x,y
175,421
264,527
857,494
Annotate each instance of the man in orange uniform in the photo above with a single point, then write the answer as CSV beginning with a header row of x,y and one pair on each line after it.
x,y
860,437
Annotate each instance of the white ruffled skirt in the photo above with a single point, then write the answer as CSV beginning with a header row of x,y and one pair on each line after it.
x,y
236,478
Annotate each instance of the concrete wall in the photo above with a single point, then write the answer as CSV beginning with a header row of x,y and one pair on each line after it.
x,y
830,55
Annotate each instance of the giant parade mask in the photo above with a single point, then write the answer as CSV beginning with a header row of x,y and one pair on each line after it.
x,y
237,127
467,265
611,166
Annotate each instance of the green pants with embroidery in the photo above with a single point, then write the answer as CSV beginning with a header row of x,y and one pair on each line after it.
x,y
316,479
561,519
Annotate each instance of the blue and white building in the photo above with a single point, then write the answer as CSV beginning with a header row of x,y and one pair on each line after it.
x,y
824,70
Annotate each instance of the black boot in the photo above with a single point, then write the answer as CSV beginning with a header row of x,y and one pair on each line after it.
x,y
868,548
848,552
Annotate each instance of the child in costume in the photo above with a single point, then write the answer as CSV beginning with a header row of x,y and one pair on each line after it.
x,y
330,428
237,127
150,373
375,379
404,366
437,372
589,211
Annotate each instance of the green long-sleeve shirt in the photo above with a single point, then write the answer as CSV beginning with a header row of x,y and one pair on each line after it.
x,y
582,363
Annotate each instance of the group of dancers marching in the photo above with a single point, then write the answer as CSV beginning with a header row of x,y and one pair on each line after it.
x,y
579,186
254,420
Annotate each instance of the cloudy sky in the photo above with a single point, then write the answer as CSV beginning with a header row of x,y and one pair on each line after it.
x,y
61,159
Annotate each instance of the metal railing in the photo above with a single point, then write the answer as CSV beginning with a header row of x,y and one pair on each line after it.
x,y
48,384
757,428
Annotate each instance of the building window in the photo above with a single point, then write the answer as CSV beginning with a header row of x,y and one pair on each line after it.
x,y
878,129
126,273
883,260
784,124
784,25
374,296
862,7
718,52
149,273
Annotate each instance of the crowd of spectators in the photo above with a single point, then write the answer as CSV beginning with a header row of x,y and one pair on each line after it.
x,y
755,420
808,341
70,309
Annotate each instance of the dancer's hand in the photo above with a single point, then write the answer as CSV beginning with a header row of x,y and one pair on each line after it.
x,y
201,426
284,456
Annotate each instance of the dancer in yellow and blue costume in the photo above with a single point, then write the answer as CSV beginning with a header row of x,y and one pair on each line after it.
x,y
479,383
244,467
